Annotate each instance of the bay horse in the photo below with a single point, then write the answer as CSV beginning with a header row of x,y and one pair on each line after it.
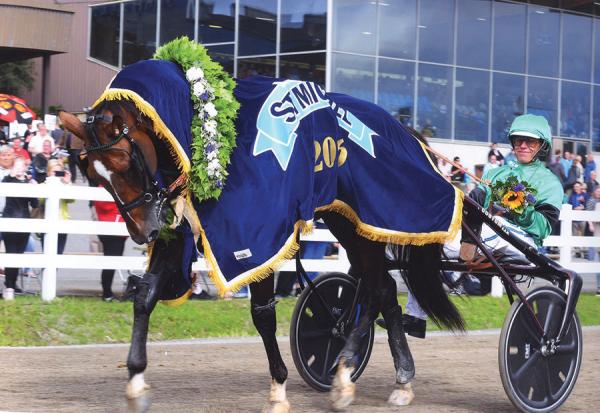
x,y
124,154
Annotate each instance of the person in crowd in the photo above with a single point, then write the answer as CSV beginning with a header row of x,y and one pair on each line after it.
x,y
36,143
29,133
496,152
566,161
7,158
510,157
73,146
112,245
531,139
15,242
557,169
592,182
578,200
491,164
19,150
457,175
573,176
590,166
57,170
444,168
40,161
594,228
556,157
578,162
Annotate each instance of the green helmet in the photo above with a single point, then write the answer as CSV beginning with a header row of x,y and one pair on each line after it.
x,y
533,126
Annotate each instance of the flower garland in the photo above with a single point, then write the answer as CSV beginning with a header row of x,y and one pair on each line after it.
x,y
513,195
213,128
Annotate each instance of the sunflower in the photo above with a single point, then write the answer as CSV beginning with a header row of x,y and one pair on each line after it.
x,y
513,200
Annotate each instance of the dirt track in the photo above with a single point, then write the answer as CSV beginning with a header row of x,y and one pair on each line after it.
x,y
454,374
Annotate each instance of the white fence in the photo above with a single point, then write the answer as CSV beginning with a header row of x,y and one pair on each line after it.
x,y
54,191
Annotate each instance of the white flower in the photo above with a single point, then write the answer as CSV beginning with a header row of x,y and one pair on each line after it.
x,y
210,109
194,73
199,88
210,126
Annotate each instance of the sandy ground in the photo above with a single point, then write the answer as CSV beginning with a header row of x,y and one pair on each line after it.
x,y
454,374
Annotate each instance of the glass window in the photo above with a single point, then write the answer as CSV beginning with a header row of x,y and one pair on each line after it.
x,y
596,125
396,89
474,33
303,25
216,21
507,102
434,101
177,19
257,27
222,54
575,110
139,31
544,36
398,28
353,75
256,66
577,44
509,36
354,26
436,28
310,66
104,33
471,107
542,99
597,51
549,3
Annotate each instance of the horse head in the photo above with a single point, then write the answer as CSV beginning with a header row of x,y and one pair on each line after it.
x,y
119,154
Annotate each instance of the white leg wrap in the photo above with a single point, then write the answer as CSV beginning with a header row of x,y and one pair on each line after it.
x,y
278,402
343,389
136,386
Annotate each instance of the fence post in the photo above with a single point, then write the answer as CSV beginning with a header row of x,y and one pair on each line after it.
x,y
51,215
566,231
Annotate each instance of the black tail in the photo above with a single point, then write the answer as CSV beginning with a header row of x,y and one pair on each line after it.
x,y
424,279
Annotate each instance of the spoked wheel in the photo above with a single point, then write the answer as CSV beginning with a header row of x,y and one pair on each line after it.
x,y
316,338
534,379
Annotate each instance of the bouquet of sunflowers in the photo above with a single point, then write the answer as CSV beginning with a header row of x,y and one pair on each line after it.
x,y
513,195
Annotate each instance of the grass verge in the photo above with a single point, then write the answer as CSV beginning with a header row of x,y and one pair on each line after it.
x,y
28,321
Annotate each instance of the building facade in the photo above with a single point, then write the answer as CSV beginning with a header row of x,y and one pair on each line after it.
x,y
456,70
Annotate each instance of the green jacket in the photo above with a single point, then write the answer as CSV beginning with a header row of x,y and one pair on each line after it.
x,y
536,220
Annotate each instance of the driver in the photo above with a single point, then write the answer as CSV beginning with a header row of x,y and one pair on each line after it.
x,y
531,138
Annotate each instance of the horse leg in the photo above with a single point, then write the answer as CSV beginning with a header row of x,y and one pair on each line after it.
x,y
264,318
146,293
403,361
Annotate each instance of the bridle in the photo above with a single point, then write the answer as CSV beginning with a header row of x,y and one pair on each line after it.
x,y
152,192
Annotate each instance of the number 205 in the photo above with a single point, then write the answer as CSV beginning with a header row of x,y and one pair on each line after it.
x,y
327,153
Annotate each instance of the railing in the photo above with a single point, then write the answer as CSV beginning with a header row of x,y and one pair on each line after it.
x,y
51,225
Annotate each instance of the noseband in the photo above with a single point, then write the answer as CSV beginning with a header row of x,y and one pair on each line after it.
x,y
151,190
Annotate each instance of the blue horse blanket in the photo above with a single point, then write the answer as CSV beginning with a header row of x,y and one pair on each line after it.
x,y
299,150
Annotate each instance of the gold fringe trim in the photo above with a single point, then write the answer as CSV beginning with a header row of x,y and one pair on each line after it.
x,y
176,302
177,152
397,237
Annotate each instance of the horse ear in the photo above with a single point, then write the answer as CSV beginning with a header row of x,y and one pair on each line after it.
x,y
73,124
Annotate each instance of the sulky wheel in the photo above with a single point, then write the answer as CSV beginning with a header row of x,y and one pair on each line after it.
x,y
534,379
316,340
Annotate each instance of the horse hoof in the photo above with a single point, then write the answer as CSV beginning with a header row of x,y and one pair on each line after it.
x,y
402,396
342,398
277,407
136,386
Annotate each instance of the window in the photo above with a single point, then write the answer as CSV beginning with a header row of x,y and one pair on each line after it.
x,y
544,36
434,100
353,75
355,23
310,66
474,34
256,66
222,54
507,102
303,25
509,37
177,19
216,21
596,117
104,33
396,81
597,49
398,28
436,28
257,27
542,99
139,31
577,46
575,110
471,110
